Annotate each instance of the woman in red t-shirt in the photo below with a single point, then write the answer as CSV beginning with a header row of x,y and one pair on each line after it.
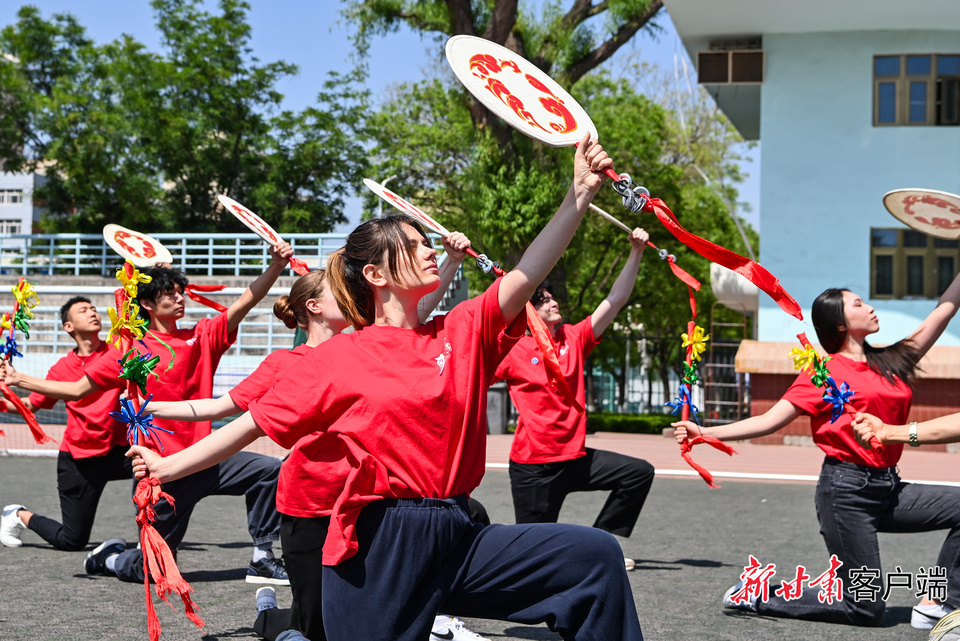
x,y
859,492
311,307
408,403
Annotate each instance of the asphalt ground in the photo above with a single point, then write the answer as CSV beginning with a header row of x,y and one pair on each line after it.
x,y
691,544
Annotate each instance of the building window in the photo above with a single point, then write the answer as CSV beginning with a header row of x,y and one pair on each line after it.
x,y
916,90
909,264
10,227
11,196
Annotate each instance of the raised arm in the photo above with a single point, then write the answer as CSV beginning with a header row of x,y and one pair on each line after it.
x,y
543,253
619,294
67,391
455,245
775,418
203,409
933,325
207,452
258,289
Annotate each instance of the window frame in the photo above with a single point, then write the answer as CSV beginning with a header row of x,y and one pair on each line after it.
x,y
900,255
903,88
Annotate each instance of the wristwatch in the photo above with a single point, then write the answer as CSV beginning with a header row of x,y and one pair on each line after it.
x,y
914,441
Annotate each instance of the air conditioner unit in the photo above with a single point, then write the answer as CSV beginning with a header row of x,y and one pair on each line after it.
x,y
736,66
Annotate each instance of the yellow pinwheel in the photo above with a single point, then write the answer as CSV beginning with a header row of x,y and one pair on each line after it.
x,y
697,341
126,324
26,297
131,278
805,359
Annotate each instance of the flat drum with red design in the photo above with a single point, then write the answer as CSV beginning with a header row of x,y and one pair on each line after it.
x,y
406,207
139,249
932,212
256,224
518,92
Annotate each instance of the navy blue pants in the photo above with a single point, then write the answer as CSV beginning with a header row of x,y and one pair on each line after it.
x,y
853,504
252,475
80,483
418,557
539,489
302,540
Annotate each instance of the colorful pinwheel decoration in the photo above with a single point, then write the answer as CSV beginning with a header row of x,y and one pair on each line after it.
x,y
808,361
24,300
695,341
127,329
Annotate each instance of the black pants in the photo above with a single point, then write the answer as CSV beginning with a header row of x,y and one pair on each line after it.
x,y
80,483
539,489
853,504
302,541
254,476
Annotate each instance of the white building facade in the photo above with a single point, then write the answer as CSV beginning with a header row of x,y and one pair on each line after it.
x,y
854,99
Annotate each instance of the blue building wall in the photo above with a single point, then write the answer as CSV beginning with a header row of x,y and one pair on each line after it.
x,y
825,168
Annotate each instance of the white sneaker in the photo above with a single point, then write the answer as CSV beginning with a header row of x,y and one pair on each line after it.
x,y
924,617
11,526
446,628
948,628
749,604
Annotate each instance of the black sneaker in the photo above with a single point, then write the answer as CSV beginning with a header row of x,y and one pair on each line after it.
x,y
269,570
95,561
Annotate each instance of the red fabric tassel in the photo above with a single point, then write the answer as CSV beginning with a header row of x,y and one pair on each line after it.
x,y
192,290
747,268
299,267
688,444
158,561
38,434
683,275
550,361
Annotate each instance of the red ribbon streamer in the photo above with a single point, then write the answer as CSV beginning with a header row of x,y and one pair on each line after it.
x,y
158,561
191,291
550,361
38,434
688,444
752,271
298,266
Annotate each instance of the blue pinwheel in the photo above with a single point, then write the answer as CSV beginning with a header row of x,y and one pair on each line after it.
x,y
9,349
683,398
139,423
838,396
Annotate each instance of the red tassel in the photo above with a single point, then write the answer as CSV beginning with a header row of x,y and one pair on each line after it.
x,y
38,434
550,361
688,444
747,268
158,561
299,267
192,290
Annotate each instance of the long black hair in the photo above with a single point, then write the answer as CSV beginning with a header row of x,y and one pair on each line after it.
x,y
900,360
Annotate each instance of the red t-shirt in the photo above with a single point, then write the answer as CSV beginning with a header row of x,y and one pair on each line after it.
x,y
873,394
266,375
549,429
409,406
90,431
198,351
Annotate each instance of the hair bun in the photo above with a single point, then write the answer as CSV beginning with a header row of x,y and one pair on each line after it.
x,y
284,311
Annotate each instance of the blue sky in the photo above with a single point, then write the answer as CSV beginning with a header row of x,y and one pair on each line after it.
x,y
312,35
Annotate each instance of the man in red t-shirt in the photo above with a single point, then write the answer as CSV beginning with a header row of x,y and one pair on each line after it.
x,y
197,352
93,445
548,459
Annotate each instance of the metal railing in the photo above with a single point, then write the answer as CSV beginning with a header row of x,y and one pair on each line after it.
x,y
195,254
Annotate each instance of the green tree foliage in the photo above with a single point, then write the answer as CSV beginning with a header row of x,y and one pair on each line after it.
x,y
474,173
149,139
